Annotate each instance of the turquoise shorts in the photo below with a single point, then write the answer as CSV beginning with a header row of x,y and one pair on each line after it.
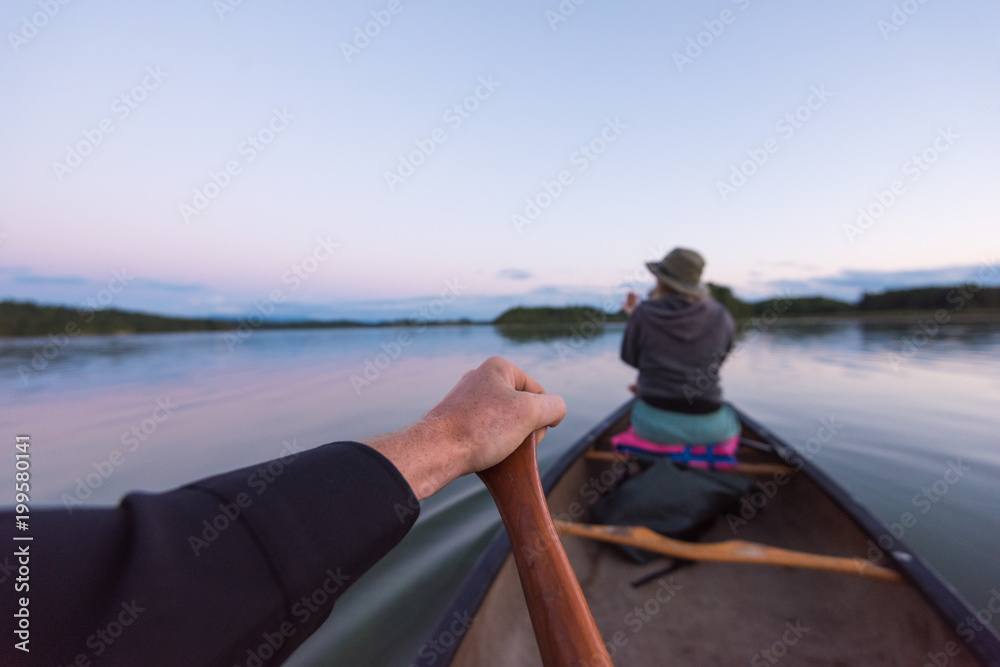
x,y
665,427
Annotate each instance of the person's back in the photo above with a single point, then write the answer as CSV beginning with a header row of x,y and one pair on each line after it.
x,y
678,345
678,340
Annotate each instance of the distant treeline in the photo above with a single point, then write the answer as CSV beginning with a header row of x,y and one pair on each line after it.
x,y
568,315
933,298
545,323
956,298
29,319
809,305
22,318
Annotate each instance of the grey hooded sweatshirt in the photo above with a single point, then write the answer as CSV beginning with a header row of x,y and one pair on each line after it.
x,y
678,347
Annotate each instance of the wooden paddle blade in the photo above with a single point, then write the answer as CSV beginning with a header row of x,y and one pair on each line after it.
x,y
564,627
730,551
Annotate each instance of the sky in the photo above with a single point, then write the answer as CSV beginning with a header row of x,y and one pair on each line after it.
x,y
372,159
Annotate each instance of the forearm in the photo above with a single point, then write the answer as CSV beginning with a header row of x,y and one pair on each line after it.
x,y
422,454
206,573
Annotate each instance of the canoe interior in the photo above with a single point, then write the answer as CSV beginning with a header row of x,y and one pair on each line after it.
x,y
722,613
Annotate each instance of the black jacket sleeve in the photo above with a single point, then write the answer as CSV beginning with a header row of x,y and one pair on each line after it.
x,y
237,569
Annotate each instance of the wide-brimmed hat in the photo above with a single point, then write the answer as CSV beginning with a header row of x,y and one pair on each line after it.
x,y
681,271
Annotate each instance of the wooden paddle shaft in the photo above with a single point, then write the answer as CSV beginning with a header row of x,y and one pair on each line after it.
x,y
564,627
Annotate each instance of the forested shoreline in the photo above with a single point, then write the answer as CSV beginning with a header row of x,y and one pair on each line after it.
x,y
23,318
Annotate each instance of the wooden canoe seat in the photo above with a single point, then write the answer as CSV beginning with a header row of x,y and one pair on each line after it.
x,y
740,467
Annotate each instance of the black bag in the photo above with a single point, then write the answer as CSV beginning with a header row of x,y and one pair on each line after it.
x,y
677,502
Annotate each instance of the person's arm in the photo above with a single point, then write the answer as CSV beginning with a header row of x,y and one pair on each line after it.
x,y
240,568
729,326
204,574
630,341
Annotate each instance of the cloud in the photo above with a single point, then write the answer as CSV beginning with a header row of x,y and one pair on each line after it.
x,y
514,274
850,284
141,294
169,287
22,275
48,280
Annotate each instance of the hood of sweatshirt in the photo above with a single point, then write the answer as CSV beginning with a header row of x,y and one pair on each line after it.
x,y
680,319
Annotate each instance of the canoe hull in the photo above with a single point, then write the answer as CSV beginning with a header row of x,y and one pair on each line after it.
x,y
721,613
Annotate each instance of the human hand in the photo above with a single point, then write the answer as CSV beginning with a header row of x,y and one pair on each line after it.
x,y
631,303
478,424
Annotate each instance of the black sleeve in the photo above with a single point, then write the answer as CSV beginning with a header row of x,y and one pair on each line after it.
x,y
237,569
630,341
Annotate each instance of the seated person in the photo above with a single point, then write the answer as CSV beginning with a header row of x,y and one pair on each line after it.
x,y
678,339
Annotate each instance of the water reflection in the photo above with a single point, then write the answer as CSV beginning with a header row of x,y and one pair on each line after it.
x,y
237,403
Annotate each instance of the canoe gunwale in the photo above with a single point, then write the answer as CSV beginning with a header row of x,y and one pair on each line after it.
x,y
939,595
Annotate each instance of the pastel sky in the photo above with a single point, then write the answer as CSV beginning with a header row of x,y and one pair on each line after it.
x,y
218,152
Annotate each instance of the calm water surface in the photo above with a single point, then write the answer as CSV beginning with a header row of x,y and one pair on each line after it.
x,y
901,422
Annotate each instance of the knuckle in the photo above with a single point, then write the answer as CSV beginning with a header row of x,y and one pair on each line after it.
x,y
495,362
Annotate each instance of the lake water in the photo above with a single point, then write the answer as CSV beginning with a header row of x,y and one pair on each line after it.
x,y
901,421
